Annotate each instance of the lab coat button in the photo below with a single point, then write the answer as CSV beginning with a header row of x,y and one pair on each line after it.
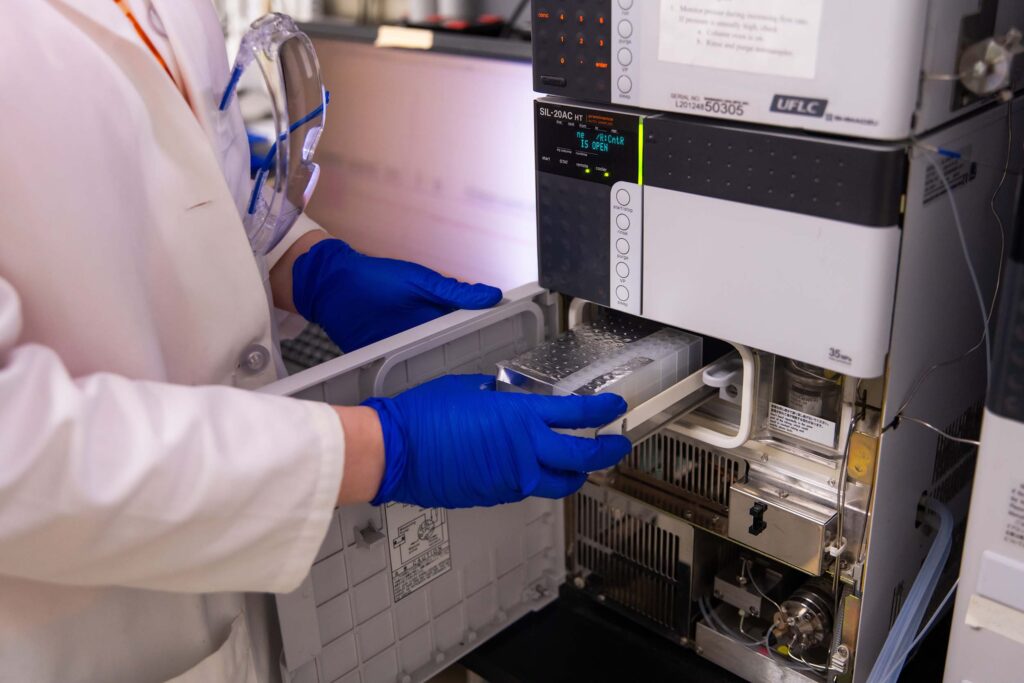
x,y
254,359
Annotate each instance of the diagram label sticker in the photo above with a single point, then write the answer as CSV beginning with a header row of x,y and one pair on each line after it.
x,y
777,37
784,419
1015,525
420,546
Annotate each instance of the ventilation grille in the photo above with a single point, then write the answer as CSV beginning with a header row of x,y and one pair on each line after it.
x,y
630,562
954,461
696,472
897,603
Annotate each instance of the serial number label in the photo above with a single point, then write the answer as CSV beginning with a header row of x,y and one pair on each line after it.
x,y
709,105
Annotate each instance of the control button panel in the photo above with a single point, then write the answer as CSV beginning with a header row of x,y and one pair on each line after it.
x,y
572,48
626,254
626,44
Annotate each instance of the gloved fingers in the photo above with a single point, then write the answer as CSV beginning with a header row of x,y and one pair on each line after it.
x,y
577,412
557,484
448,291
577,454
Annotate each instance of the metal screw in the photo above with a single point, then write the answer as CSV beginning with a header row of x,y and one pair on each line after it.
x,y
601,598
579,582
755,612
699,650
688,515
718,594
684,641
831,482
764,457
715,518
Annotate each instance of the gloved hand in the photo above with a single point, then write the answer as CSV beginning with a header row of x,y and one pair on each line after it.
x,y
360,299
455,442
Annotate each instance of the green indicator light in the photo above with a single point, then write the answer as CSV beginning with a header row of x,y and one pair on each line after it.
x,y
607,174
587,171
640,155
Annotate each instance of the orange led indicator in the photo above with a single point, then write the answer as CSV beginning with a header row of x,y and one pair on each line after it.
x,y
600,20
579,40
601,42
562,39
601,65
561,60
561,16
543,15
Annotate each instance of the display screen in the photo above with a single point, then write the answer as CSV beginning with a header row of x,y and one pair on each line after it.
x,y
589,144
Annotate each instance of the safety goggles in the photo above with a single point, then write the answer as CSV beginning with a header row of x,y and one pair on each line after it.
x,y
285,179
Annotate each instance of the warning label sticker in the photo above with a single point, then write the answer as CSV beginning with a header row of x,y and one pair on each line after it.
x,y
957,171
1015,527
778,38
419,544
784,419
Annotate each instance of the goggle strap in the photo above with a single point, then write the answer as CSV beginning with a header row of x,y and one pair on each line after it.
x,y
236,75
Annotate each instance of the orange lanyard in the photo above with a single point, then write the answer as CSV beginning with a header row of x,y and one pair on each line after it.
x,y
145,38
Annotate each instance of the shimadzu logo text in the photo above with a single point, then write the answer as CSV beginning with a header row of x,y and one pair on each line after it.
x,y
804,106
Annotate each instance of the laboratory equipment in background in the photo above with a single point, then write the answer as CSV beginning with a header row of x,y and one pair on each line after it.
x,y
422,10
987,638
784,491
871,69
408,174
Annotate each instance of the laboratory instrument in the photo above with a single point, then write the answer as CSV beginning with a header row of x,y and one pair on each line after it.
x,y
872,69
784,493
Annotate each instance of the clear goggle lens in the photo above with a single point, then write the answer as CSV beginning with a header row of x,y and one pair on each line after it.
x,y
285,179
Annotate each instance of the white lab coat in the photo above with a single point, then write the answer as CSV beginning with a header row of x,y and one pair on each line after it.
x,y
128,502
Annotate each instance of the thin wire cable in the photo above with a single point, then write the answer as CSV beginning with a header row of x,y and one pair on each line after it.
x,y
720,627
970,442
841,506
985,310
995,214
768,646
999,268
967,259
750,575
798,658
939,611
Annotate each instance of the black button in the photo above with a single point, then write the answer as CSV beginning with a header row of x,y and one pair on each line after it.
x,y
556,81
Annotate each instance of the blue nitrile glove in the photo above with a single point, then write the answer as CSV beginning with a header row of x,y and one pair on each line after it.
x,y
361,299
455,442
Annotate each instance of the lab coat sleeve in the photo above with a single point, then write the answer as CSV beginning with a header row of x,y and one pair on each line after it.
x,y
109,481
